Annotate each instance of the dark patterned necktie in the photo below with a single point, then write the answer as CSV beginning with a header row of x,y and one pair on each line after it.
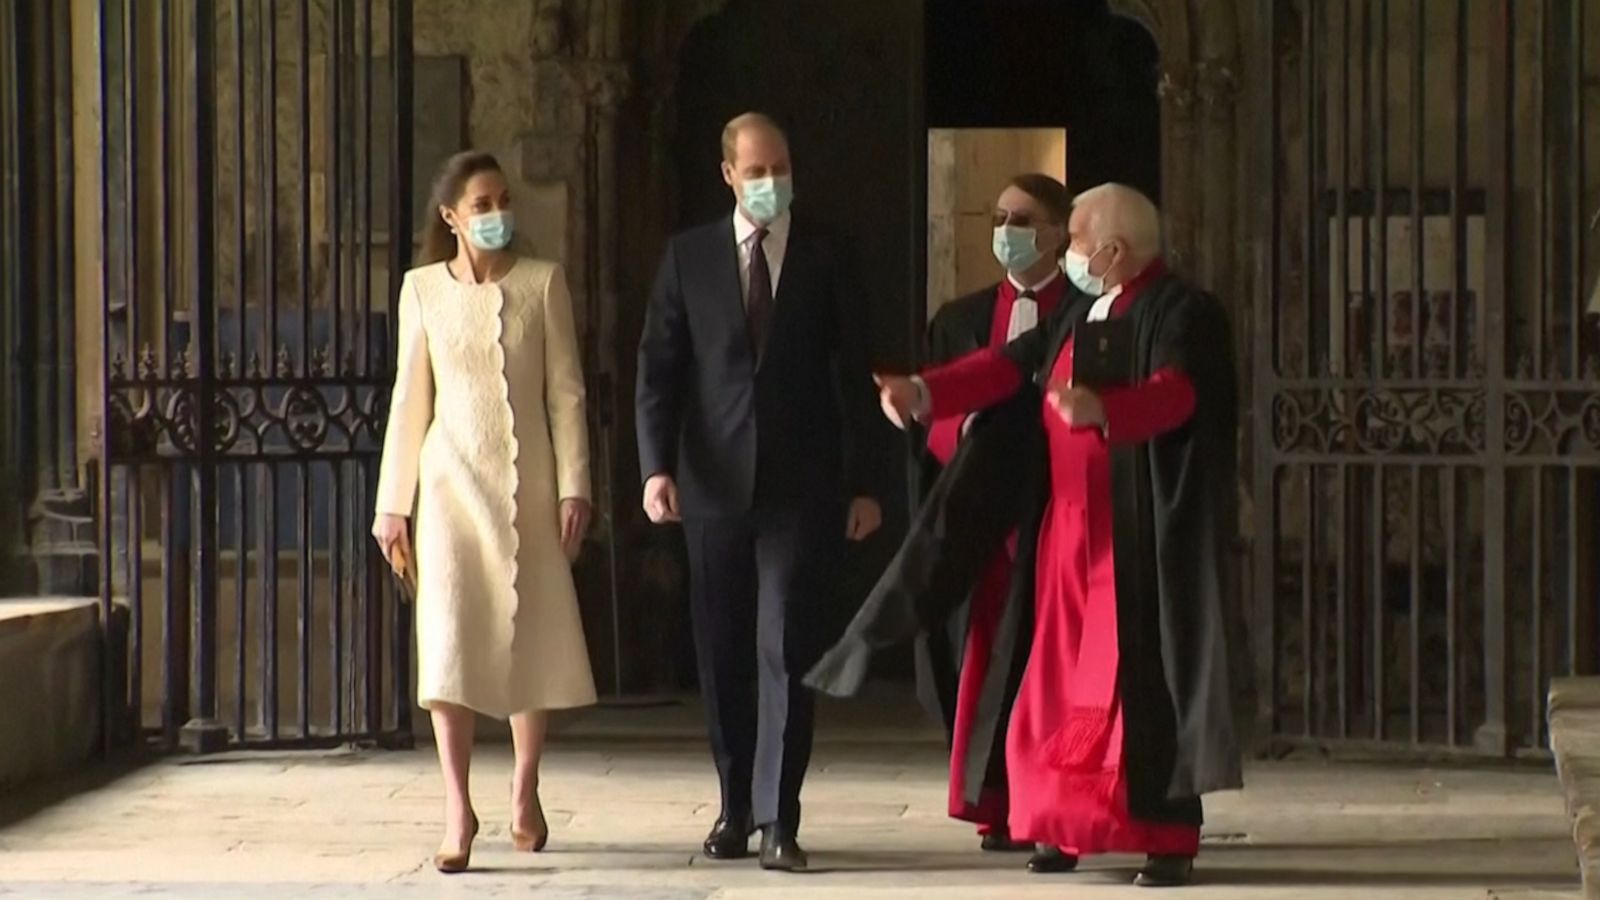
x,y
758,297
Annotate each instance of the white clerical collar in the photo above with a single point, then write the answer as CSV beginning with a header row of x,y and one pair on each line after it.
x,y
743,228
1049,279
1101,310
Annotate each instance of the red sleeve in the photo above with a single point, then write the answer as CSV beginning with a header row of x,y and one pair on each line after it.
x,y
1149,409
943,437
973,382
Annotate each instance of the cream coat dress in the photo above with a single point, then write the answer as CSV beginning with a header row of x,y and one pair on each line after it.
x,y
486,436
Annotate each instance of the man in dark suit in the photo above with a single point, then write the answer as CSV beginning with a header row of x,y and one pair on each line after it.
x,y
754,404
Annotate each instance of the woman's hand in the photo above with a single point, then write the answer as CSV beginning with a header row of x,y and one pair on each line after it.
x,y
393,534
575,514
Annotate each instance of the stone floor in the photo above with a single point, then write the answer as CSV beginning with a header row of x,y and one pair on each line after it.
x,y
629,805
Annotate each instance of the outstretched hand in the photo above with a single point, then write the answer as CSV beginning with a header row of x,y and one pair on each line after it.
x,y
898,395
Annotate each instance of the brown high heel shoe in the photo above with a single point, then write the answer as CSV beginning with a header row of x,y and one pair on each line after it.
x,y
532,841
455,863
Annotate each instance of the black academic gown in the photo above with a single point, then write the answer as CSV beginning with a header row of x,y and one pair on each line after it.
x,y
960,327
1174,526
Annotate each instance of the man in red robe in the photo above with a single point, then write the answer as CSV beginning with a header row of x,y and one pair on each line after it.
x,y
1124,715
1030,236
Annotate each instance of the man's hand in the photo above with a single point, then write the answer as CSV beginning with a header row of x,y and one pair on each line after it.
x,y
899,397
575,513
866,517
1078,407
661,499
394,540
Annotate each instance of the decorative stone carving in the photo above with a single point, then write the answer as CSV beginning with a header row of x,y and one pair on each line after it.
x,y
1216,87
1177,89
553,157
604,85
550,30
559,104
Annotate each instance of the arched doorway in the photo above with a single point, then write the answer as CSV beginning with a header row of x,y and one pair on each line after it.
x,y
1049,64
1066,89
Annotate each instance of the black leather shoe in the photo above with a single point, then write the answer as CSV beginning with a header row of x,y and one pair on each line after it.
x,y
729,838
1166,871
1047,860
780,852
999,841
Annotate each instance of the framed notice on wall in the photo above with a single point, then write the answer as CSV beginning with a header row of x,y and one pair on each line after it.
x,y
1384,327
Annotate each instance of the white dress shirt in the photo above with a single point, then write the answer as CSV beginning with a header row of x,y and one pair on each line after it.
x,y
777,242
1025,310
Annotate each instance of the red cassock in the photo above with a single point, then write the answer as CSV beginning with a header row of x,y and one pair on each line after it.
x,y
1064,747
988,597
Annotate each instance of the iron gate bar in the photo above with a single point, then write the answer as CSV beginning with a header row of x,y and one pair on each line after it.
x,y
128,722
241,559
1415,646
204,733
10,288
303,70
1419,301
400,229
1573,630
368,596
1458,238
1452,726
1575,170
235,364
1376,550
108,681
63,339
267,164
1537,595
1418,128
1264,325
267,160
304,622
136,631
1493,736
269,607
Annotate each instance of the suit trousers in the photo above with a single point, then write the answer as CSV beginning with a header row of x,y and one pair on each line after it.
x,y
761,586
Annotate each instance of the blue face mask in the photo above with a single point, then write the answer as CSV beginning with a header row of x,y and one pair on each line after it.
x,y
490,230
766,199
1016,248
1076,266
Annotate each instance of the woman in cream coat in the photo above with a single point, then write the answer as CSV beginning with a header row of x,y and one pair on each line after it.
x,y
487,443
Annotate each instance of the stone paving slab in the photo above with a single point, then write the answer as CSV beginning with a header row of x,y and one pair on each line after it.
x,y
628,816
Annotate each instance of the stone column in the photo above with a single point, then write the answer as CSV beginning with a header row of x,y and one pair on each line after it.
x,y
1215,89
605,87
1178,165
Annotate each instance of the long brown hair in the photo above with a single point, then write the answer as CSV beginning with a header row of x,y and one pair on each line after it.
x,y
438,243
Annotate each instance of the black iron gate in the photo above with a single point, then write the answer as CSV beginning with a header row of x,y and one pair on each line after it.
x,y
1426,370
252,232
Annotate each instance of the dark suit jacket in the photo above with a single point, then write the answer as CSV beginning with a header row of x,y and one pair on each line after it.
x,y
739,431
